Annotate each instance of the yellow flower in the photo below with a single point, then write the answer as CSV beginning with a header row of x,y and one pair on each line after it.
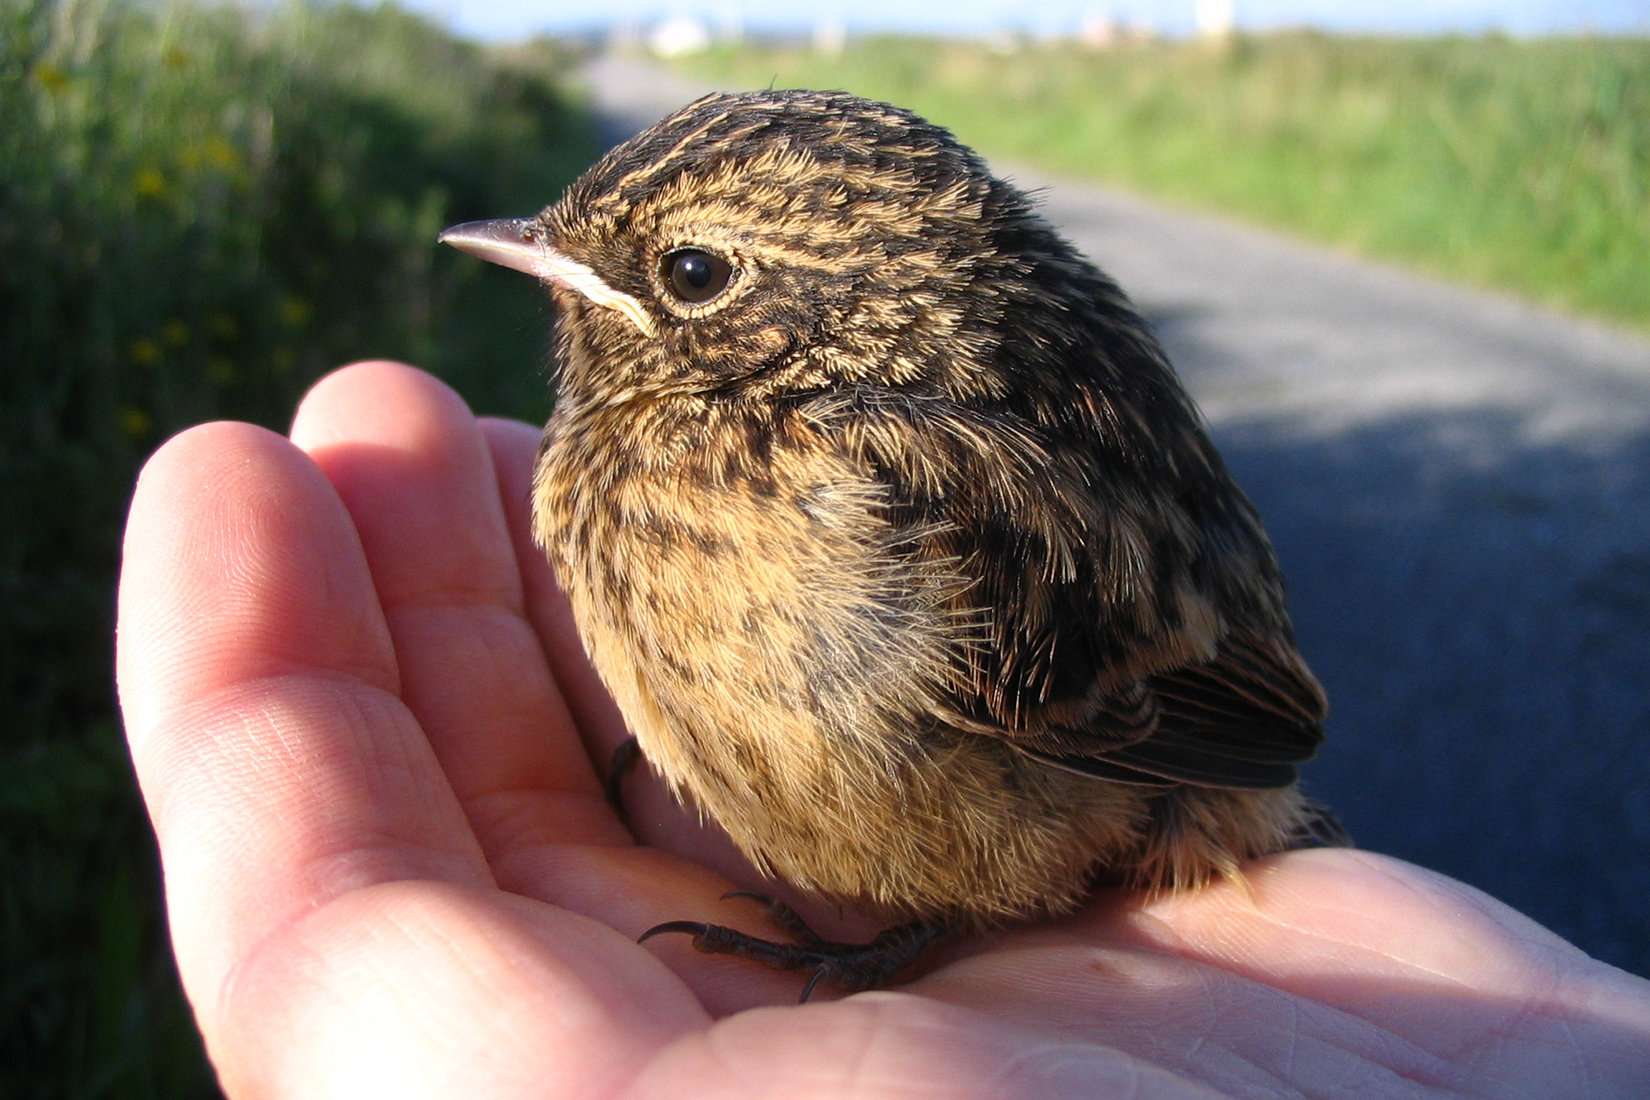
x,y
134,421
144,351
295,312
149,183
222,155
175,332
50,77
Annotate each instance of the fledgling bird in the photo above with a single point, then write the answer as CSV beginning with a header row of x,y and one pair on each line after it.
x,y
894,535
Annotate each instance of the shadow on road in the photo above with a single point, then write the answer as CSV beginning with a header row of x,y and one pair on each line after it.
x,y
1478,608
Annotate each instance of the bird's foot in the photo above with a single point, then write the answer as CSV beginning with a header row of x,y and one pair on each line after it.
x,y
624,761
852,966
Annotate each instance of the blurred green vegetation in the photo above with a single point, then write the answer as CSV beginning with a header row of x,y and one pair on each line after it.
x,y
1519,164
202,209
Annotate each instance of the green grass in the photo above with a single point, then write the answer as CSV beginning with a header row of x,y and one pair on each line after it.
x,y
202,209
1516,164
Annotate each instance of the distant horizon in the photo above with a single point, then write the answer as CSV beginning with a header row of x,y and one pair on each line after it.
x,y
503,20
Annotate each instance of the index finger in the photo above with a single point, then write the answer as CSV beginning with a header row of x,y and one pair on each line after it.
x,y
259,689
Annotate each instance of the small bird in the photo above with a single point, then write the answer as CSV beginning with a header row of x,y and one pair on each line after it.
x,y
894,535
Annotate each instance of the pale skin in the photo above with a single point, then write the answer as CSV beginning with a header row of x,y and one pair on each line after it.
x,y
365,731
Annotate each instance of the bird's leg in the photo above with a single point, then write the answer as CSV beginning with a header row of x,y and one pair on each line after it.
x,y
624,761
784,917
853,966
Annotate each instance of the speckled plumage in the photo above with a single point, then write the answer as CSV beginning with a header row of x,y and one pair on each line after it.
x,y
906,556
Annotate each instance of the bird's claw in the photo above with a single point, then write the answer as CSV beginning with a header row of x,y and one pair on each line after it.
x,y
853,966
687,927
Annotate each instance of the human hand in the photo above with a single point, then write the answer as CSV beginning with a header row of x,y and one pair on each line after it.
x,y
364,729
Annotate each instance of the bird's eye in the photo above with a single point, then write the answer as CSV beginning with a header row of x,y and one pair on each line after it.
x,y
694,275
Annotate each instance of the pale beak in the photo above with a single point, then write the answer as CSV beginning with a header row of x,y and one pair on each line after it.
x,y
518,243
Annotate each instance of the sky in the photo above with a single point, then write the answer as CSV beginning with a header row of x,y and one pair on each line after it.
x,y
509,19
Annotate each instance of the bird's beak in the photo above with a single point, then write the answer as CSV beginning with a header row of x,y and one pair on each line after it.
x,y
518,243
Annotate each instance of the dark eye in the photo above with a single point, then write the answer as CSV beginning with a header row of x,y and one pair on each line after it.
x,y
694,275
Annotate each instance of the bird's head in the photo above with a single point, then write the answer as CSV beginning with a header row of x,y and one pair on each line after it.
x,y
775,242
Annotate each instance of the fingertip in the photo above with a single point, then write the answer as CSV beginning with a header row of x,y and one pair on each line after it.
x,y
374,397
231,530
176,479
515,438
202,449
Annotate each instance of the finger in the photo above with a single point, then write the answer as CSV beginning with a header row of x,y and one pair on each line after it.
x,y
637,890
258,687
654,815
425,990
1307,917
1366,932
1371,968
410,464
651,811
514,448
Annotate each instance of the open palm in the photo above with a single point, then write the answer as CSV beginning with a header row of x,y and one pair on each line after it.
x,y
364,729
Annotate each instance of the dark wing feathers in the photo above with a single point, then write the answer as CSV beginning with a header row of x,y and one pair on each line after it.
x,y
1053,633
1241,717
1244,719
1200,767
1254,702
1130,611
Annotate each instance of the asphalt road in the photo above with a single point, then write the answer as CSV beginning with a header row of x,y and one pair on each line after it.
x,y
1458,485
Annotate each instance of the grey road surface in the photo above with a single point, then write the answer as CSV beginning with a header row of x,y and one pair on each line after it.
x,y
1459,488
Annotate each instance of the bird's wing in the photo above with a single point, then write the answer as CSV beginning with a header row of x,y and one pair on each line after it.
x,y
1243,719
1168,694
1111,627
